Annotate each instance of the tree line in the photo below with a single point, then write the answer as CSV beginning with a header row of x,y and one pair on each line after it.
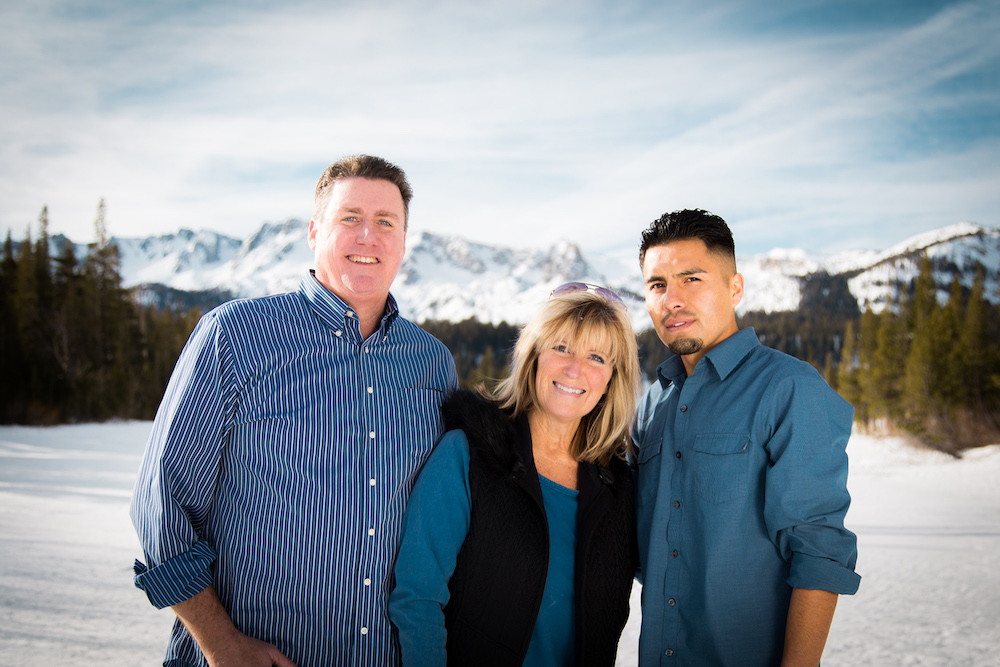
x,y
74,344
927,368
77,346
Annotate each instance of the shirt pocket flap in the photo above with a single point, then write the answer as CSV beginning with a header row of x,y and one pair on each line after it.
x,y
720,444
720,465
650,447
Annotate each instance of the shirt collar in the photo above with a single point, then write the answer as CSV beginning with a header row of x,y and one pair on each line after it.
x,y
331,310
724,358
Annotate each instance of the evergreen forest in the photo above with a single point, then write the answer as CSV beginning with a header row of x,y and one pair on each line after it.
x,y
74,345
77,346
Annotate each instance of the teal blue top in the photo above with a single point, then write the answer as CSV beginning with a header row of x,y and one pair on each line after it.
x,y
434,528
552,639
741,497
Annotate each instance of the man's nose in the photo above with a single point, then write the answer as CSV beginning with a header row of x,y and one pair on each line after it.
x,y
672,298
366,231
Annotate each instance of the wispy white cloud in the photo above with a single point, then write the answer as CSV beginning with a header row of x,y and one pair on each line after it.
x,y
517,121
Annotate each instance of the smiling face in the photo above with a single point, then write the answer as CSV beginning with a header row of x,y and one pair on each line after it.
x,y
359,241
570,378
691,296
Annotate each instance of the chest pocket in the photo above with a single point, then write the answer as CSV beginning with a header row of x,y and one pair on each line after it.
x,y
649,462
721,466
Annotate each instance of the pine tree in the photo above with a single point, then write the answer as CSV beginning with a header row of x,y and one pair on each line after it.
x,y
10,339
70,322
847,376
50,386
973,349
25,301
918,378
102,299
867,391
947,376
924,300
887,364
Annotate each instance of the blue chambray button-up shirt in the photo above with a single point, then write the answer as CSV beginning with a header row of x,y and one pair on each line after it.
x,y
278,469
742,493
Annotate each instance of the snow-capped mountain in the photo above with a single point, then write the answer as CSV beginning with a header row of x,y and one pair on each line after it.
x,y
957,249
453,278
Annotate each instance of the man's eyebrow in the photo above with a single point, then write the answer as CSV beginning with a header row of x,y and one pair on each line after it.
x,y
378,214
680,274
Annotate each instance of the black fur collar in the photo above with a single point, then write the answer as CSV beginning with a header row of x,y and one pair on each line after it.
x,y
502,441
488,428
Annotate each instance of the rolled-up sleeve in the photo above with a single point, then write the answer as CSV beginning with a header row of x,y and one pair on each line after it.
x,y
806,497
175,485
177,579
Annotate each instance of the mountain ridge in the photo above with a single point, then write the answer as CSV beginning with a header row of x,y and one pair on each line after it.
x,y
448,277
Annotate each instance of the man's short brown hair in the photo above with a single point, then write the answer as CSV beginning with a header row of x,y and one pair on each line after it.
x,y
361,166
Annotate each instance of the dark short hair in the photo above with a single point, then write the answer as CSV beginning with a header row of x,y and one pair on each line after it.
x,y
362,166
689,224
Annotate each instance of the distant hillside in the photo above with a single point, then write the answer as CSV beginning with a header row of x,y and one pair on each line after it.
x,y
453,278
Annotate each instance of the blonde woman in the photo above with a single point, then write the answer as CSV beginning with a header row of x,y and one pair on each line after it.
x,y
518,543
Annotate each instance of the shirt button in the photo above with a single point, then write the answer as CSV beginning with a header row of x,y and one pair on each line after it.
x,y
669,653
372,481
677,504
371,434
672,602
674,553
338,333
349,313
677,454
371,390
364,630
371,531
684,408
368,582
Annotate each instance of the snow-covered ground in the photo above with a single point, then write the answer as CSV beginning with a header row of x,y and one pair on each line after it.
x,y
928,529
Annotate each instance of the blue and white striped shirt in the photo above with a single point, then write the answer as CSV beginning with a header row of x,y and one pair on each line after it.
x,y
278,468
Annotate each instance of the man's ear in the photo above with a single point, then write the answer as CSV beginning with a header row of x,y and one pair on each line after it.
x,y
312,234
736,288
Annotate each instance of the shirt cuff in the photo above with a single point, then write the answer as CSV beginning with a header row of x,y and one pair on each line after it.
x,y
177,579
822,574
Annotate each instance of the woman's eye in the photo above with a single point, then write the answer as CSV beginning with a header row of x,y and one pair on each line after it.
x,y
559,348
597,358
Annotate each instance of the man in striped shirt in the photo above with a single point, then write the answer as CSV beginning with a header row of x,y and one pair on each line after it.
x,y
272,488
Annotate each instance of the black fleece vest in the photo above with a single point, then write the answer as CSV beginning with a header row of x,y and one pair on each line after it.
x,y
499,579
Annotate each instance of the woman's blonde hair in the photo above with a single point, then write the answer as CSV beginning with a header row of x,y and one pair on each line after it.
x,y
576,317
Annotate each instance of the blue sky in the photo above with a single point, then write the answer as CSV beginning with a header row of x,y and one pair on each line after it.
x,y
813,124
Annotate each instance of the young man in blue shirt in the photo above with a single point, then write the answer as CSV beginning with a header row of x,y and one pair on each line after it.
x,y
742,472
271,494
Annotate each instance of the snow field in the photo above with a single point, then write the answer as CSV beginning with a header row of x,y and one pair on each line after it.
x,y
928,529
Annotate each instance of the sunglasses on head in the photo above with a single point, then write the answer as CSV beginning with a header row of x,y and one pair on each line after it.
x,y
566,288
